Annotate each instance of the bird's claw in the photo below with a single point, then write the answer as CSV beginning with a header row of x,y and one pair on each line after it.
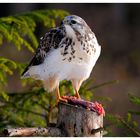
x,y
77,97
62,100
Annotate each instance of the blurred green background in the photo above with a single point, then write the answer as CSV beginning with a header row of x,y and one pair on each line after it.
x,y
117,28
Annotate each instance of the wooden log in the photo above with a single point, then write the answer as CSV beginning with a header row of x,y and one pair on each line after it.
x,y
78,122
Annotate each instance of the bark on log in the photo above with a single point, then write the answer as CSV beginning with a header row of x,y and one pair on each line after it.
x,y
73,120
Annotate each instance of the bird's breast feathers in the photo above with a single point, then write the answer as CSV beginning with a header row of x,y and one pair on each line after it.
x,y
79,48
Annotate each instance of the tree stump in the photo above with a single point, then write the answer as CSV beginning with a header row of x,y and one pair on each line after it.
x,y
79,122
77,118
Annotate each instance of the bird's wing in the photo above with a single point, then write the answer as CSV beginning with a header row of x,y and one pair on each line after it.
x,y
50,41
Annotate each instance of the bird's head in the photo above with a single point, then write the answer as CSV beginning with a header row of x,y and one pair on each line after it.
x,y
76,23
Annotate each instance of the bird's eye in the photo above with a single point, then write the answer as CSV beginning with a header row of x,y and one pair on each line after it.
x,y
73,21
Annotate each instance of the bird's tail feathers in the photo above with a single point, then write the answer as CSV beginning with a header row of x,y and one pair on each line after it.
x,y
32,72
26,75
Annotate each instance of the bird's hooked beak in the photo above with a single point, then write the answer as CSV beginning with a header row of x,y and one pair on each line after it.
x,y
64,22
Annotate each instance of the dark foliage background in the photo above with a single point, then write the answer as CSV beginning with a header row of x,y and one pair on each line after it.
x,y
117,29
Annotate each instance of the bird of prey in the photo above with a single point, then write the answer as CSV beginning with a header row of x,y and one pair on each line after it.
x,y
68,52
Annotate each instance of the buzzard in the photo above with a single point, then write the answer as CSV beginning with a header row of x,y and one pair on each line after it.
x,y
68,52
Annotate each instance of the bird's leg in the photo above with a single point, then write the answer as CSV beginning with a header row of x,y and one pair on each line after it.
x,y
77,94
76,84
59,98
